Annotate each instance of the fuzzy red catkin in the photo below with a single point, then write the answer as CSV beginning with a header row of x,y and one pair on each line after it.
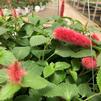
x,y
15,72
71,36
14,13
1,12
89,62
96,36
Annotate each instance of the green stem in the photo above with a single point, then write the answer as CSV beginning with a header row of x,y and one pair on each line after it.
x,y
45,47
92,96
82,74
50,56
43,53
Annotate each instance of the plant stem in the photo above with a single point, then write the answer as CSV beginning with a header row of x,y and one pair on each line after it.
x,y
45,47
50,56
92,96
82,74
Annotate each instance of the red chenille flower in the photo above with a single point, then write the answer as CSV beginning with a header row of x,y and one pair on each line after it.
x,y
89,62
14,13
96,36
71,36
1,12
61,8
16,72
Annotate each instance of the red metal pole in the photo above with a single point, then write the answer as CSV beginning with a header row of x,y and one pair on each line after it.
x,y
61,12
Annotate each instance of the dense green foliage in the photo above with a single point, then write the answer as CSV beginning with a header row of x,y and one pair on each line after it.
x,y
22,3
54,70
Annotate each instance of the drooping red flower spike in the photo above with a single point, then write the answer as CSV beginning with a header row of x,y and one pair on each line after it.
x,y
15,72
89,62
71,36
1,12
61,8
14,13
96,36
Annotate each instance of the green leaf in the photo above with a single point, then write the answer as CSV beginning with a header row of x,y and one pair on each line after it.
x,y
69,90
84,90
99,79
24,98
33,19
84,53
23,41
58,77
94,29
34,81
48,70
8,91
42,63
67,52
77,26
64,52
98,48
21,52
74,75
75,64
29,29
3,30
64,90
56,24
39,53
99,60
39,30
38,40
6,57
3,75
9,100
20,22
32,67
35,94
51,91
53,99
95,98
61,65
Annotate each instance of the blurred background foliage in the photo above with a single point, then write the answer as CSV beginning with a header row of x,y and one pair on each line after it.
x,y
21,3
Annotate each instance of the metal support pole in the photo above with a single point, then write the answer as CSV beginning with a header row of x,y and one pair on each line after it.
x,y
78,2
58,7
74,3
88,10
95,10
84,7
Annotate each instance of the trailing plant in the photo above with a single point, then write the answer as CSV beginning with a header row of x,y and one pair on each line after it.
x,y
53,59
